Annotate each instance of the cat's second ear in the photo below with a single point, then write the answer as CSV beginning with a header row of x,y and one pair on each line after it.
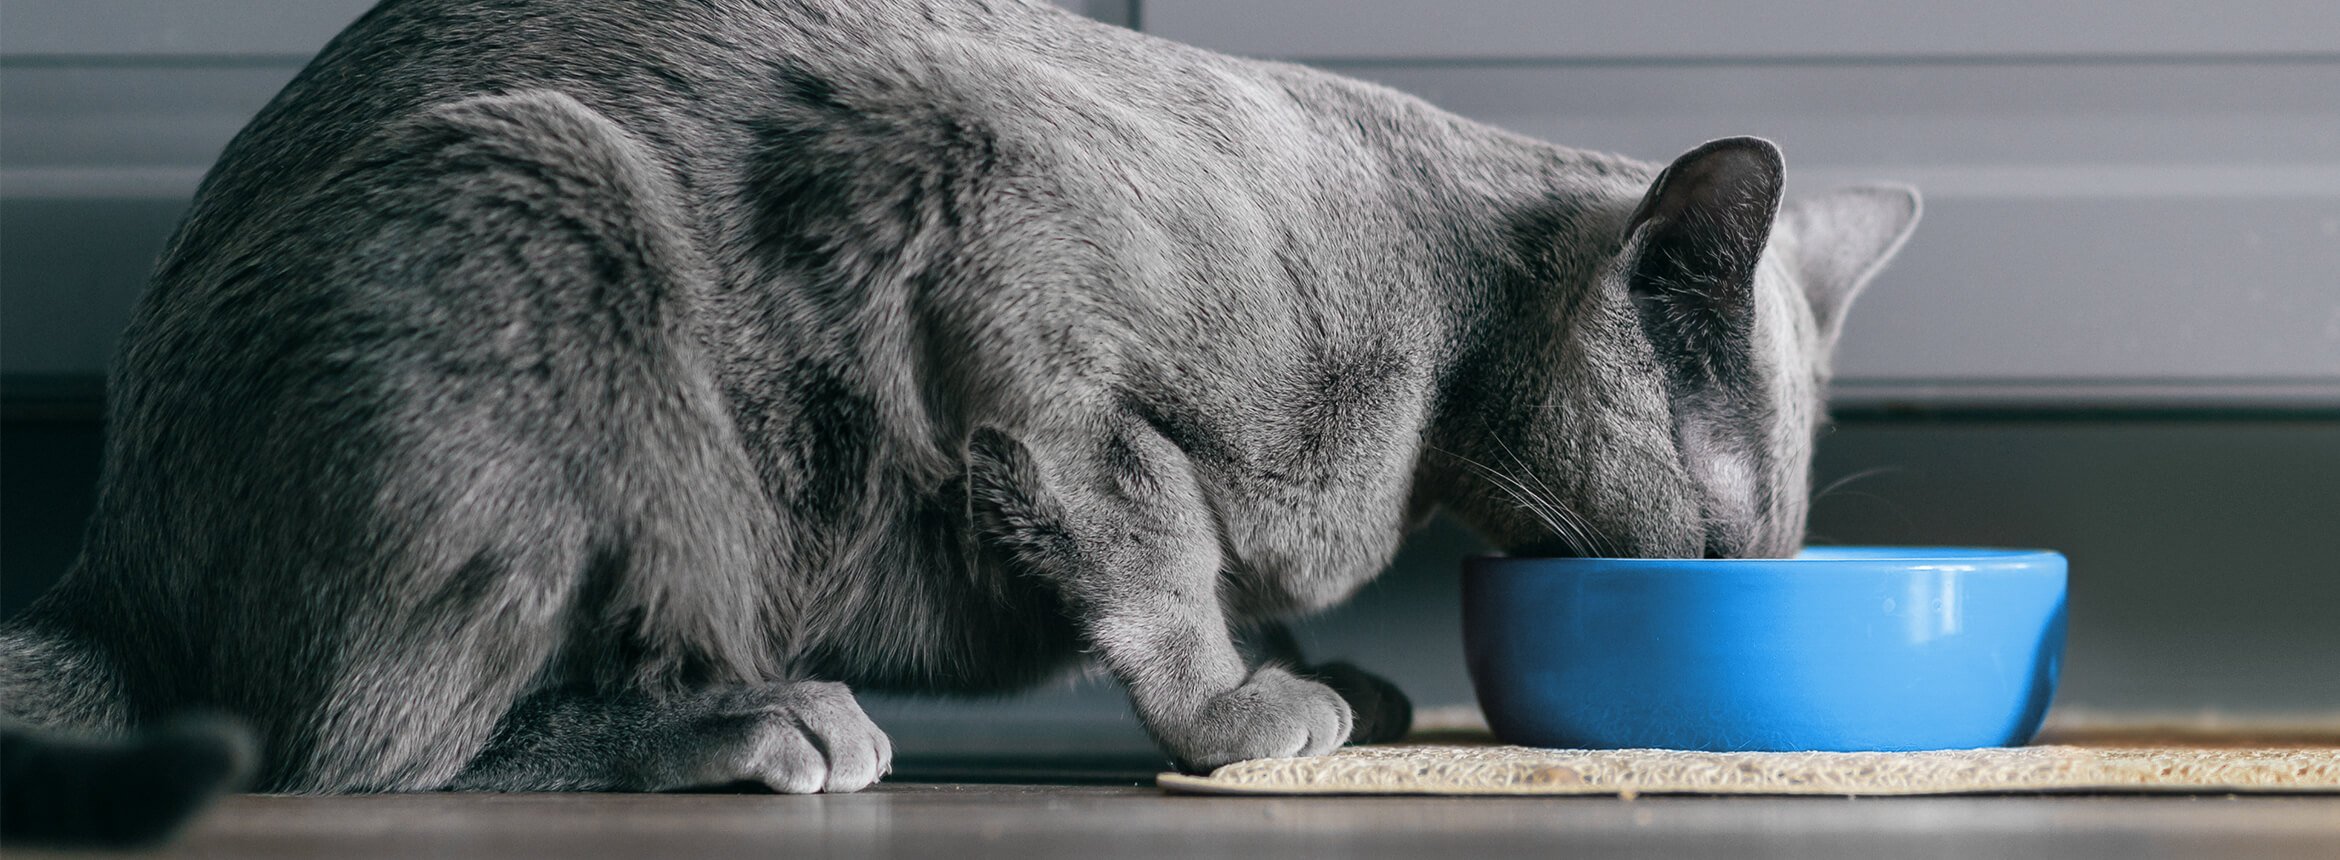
x,y
1692,247
1842,239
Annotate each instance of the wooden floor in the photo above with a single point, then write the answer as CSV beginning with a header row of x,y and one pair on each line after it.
x,y
1038,822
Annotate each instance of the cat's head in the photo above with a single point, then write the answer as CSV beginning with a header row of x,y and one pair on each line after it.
x,y
1671,402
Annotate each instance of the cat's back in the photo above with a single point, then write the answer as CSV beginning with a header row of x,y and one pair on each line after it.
x,y
849,104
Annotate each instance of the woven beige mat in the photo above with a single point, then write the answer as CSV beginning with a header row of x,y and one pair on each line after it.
x,y
2118,761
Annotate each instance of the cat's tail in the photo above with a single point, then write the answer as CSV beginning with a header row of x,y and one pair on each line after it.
x,y
73,774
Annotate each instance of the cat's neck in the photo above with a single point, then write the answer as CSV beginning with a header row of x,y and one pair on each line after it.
x,y
1485,205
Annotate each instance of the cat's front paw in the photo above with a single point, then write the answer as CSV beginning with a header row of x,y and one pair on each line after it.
x,y
1383,712
1274,714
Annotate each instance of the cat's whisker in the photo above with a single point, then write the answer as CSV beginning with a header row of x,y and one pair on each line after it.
x,y
1566,523
1528,500
1561,520
1840,483
1550,497
1525,501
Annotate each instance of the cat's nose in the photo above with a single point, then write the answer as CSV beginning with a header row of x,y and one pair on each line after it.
x,y
1726,545
1771,543
1727,540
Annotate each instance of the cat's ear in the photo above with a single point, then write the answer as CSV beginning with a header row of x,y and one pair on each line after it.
x,y
1693,246
1842,239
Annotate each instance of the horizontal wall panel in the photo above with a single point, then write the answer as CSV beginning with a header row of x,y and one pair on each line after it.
x,y
2023,116
167,28
124,131
52,29
1704,29
2240,288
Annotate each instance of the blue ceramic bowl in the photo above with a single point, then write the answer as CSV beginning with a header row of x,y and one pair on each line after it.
x,y
1841,648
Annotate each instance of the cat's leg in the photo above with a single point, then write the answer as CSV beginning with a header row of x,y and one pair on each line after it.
x,y
1120,525
1383,712
536,468
795,738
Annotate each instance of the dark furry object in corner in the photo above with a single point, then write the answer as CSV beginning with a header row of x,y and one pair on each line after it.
x,y
57,791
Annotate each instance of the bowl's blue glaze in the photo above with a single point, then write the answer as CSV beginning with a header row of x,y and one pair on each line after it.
x,y
1842,648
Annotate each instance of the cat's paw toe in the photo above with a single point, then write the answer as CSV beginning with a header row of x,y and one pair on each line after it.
x,y
809,738
1273,714
1383,712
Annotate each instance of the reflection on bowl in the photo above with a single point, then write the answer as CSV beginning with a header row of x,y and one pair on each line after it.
x,y
1841,648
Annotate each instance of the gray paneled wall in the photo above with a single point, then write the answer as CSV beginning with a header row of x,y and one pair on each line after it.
x,y
2130,202
114,30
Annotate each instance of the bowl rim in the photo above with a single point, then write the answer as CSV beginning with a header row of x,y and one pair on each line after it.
x,y
1909,557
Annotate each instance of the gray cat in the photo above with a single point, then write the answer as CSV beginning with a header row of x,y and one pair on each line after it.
x,y
547,394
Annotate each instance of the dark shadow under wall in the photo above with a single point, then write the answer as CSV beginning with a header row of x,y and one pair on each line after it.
x,y
48,485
